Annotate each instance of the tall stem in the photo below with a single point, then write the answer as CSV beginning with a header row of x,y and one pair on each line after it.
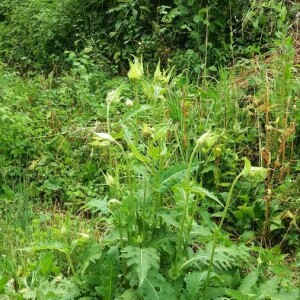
x,y
187,195
217,232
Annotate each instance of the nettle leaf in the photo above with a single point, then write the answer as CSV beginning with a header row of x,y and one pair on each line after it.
x,y
194,281
155,287
142,260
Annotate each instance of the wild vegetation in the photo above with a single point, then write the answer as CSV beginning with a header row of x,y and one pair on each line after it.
x,y
149,150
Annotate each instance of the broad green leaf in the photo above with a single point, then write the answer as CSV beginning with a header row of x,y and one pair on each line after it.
x,y
201,190
173,175
129,294
141,260
213,293
247,210
90,253
48,246
97,205
134,150
224,257
194,281
105,136
269,288
137,154
155,287
3,281
236,295
163,238
170,217
248,282
110,271
161,133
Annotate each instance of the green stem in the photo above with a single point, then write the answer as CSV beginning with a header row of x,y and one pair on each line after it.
x,y
218,230
187,195
70,263
107,118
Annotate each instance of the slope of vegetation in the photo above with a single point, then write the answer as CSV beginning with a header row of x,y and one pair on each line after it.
x,y
175,176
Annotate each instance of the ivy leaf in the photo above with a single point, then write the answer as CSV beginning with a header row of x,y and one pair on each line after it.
x,y
142,260
155,287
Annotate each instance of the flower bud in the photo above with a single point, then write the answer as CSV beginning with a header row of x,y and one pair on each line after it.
x,y
256,174
207,139
129,103
113,96
136,69
109,180
114,204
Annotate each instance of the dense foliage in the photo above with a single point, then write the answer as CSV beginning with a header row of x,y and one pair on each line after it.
x,y
191,35
159,184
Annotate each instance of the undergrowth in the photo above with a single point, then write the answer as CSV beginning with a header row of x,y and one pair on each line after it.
x,y
156,177
158,184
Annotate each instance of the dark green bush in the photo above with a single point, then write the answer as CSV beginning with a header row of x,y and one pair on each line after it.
x,y
195,36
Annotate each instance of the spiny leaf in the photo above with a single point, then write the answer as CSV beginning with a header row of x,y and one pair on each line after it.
x,y
194,281
170,217
224,258
155,287
109,276
248,282
269,288
142,259
90,254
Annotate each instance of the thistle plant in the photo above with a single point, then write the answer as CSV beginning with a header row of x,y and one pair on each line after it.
x,y
256,174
